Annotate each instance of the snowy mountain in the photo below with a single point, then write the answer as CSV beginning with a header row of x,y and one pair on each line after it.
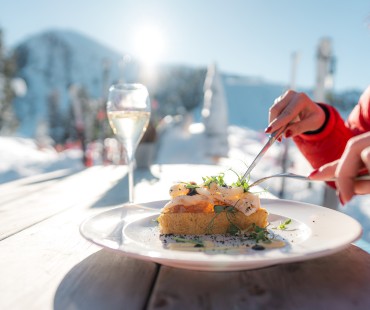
x,y
52,61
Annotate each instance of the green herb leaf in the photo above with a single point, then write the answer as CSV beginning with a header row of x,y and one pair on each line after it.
x,y
257,234
233,229
218,209
230,209
197,243
219,180
241,182
284,225
190,185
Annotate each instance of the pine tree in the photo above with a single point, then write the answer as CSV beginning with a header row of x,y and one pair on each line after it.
x,y
7,71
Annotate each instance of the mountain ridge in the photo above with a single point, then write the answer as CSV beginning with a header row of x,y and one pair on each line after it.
x,y
53,60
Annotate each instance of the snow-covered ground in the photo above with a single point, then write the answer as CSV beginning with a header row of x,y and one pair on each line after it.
x,y
22,157
181,144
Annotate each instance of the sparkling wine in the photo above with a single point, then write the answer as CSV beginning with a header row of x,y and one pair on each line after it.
x,y
129,127
128,109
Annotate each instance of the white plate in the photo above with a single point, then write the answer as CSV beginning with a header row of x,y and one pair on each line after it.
x,y
314,232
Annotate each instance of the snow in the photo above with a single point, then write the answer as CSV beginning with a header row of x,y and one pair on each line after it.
x,y
181,143
54,59
22,157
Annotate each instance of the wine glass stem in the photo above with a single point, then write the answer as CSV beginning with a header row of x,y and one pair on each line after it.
x,y
131,187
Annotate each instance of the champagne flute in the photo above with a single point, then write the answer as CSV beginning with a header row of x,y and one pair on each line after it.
x,y
128,110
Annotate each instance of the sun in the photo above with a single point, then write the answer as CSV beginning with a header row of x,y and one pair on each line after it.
x,y
149,44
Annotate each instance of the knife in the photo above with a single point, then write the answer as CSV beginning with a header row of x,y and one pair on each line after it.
x,y
273,137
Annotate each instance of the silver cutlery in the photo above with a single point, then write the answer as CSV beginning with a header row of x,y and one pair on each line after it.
x,y
273,137
301,177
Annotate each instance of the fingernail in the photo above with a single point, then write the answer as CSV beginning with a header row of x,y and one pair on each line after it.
x,y
288,133
268,129
280,139
313,173
363,171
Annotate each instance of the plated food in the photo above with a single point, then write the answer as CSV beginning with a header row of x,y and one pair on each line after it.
x,y
212,207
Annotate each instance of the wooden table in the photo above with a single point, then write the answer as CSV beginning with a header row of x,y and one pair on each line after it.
x,y
46,264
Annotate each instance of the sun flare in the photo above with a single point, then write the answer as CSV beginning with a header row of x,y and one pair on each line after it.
x,y
149,44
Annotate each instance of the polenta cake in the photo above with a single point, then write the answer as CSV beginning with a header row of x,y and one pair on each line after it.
x,y
212,207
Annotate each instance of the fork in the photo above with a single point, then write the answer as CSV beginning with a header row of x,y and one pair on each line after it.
x,y
301,177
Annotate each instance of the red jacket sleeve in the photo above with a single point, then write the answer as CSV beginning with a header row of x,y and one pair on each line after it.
x,y
329,144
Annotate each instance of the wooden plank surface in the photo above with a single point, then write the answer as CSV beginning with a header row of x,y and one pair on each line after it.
x,y
28,201
340,281
50,266
23,205
46,264
106,280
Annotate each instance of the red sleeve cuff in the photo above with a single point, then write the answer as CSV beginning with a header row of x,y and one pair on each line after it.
x,y
329,127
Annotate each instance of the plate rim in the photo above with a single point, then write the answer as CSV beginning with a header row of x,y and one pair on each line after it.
x,y
223,265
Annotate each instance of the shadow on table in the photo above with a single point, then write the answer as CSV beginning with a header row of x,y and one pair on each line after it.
x,y
111,280
43,180
118,194
55,177
106,280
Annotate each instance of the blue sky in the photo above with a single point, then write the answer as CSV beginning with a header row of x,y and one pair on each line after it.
x,y
248,37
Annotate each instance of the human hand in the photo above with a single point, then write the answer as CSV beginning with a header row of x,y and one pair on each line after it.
x,y
297,110
355,159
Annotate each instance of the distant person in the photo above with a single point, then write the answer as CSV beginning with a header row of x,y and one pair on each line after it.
x,y
334,147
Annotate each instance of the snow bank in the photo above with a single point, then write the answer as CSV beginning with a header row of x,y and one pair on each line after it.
x,y
21,157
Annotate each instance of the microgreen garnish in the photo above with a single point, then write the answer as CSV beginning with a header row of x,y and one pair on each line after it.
x,y
197,243
230,213
283,225
241,182
191,185
218,209
219,180
256,233
252,232
232,229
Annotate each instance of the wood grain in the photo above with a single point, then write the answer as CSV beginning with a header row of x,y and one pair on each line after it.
x,y
50,266
22,205
106,280
340,281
